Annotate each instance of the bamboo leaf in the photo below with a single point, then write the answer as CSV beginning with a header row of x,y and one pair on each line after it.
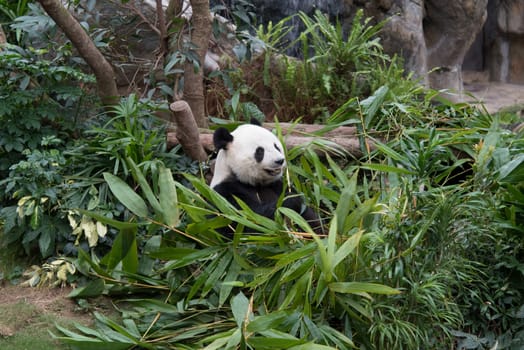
x,y
124,250
217,272
294,255
512,172
296,218
265,322
126,195
190,258
92,289
228,282
330,251
387,168
361,287
347,248
168,196
144,186
353,220
372,104
241,309
266,343
311,346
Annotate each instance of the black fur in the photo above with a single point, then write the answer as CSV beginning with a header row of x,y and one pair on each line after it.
x,y
255,121
259,154
263,200
221,138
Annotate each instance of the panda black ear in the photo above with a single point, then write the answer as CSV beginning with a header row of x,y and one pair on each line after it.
x,y
255,121
221,138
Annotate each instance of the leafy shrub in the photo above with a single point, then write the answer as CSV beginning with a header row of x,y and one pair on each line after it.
x,y
40,101
302,291
39,98
335,67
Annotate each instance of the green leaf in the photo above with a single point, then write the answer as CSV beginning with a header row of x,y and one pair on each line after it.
x,y
94,344
296,218
387,168
294,255
265,322
361,287
513,172
46,242
234,101
353,220
264,343
345,202
241,309
372,104
144,186
228,282
147,263
185,259
168,196
124,250
126,195
217,272
312,346
92,289
347,247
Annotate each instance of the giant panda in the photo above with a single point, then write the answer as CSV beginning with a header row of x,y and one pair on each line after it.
x,y
249,165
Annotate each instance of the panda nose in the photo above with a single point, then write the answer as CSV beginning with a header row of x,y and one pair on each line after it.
x,y
280,161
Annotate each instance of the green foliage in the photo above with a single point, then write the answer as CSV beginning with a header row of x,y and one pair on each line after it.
x,y
126,147
10,11
422,243
334,68
403,261
39,98
300,293
40,101
449,240
35,184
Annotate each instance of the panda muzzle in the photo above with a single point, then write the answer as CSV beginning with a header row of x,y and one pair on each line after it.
x,y
274,171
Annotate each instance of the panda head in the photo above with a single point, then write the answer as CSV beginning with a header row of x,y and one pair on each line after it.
x,y
251,153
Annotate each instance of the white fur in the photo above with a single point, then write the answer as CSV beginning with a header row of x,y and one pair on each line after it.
x,y
239,158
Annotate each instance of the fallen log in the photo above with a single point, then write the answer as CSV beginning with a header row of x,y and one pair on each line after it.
x,y
338,144
313,129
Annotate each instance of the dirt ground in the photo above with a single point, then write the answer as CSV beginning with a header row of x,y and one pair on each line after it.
x,y
496,96
50,301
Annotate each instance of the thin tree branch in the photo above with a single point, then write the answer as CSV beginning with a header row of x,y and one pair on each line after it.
x,y
103,71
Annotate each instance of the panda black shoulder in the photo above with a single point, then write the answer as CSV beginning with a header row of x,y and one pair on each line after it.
x,y
221,138
255,121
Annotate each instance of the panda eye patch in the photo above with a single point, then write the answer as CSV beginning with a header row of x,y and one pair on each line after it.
x,y
259,154
276,147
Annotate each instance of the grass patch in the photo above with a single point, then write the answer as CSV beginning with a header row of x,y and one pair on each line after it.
x,y
24,326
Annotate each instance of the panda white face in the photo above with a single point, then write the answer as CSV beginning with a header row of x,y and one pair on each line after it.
x,y
251,153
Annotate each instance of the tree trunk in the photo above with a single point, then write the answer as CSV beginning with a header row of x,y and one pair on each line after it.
x,y
194,81
105,76
3,39
187,131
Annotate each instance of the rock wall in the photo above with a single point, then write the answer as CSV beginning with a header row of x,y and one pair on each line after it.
x,y
503,44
